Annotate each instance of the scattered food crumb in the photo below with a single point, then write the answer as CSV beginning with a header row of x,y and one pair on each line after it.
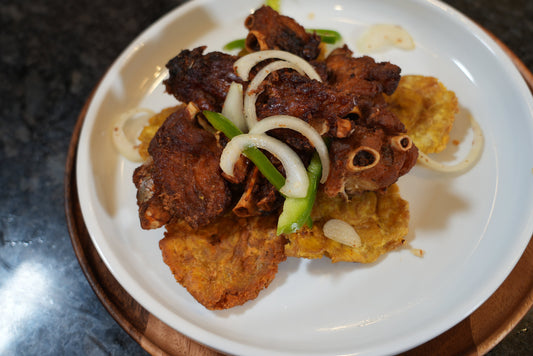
x,y
418,252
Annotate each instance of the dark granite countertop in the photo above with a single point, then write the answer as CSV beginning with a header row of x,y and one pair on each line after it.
x,y
53,53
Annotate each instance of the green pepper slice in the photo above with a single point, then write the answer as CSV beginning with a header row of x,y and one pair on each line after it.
x,y
297,211
228,128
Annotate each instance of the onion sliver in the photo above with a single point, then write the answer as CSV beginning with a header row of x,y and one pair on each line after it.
x,y
381,36
125,144
296,182
341,231
470,159
296,124
233,106
251,91
244,64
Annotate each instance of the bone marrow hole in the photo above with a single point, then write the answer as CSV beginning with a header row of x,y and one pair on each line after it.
x,y
354,115
363,158
402,143
252,44
249,22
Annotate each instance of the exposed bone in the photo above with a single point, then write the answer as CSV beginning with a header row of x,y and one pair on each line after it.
x,y
371,155
249,21
401,143
255,41
344,128
146,189
202,121
354,114
247,204
192,109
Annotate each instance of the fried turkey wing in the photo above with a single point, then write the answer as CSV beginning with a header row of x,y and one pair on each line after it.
x,y
270,30
181,180
227,263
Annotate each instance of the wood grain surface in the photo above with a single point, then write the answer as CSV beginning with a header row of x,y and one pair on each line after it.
x,y
475,335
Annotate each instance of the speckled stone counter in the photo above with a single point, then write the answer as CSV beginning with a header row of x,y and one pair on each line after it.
x,y
52,54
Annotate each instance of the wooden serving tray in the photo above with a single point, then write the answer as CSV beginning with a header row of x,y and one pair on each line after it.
x,y
475,335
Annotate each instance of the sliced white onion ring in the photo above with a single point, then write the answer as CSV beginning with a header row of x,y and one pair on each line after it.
x,y
124,139
296,124
233,106
470,159
296,182
341,231
251,92
244,64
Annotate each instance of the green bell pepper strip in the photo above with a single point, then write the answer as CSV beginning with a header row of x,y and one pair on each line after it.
x,y
274,4
297,211
327,36
235,44
222,123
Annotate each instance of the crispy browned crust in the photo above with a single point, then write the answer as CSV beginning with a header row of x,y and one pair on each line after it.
x,y
392,164
270,30
319,104
227,263
181,180
361,76
201,79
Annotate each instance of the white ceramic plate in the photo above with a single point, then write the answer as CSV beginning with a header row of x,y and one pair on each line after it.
x,y
473,227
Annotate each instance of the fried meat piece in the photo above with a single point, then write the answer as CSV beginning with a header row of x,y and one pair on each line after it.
x,y
365,80
226,263
270,30
201,79
181,180
369,159
154,123
376,152
286,92
380,218
259,197
152,212
361,76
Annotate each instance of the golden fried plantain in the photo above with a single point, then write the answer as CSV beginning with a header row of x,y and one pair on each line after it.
x,y
380,219
227,262
427,109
